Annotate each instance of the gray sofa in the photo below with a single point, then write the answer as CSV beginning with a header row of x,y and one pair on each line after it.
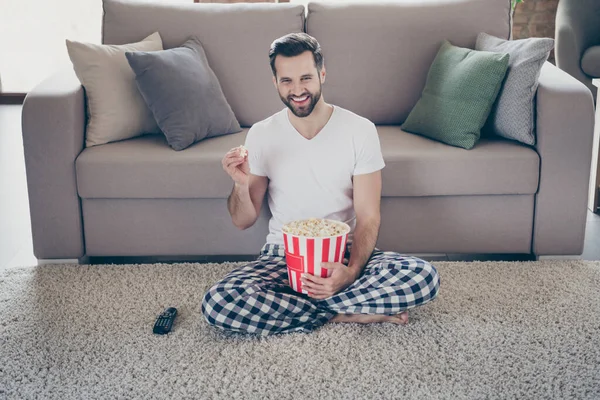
x,y
138,197
578,40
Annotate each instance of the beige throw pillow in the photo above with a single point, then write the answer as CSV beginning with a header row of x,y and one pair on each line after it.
x,y
115,107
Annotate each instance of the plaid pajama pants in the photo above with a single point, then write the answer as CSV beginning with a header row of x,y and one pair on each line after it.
x,y
257,298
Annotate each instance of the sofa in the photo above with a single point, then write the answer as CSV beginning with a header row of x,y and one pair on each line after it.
x,y
578,40
138,197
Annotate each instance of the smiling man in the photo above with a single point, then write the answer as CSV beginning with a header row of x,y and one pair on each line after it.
x,y
316,160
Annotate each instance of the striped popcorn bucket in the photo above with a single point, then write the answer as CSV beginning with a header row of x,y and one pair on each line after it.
x,y
304,254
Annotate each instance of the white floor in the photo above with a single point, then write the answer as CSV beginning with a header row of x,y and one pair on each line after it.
x,y
16,247
32,43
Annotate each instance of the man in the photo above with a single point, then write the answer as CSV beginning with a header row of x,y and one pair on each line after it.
x,y
316,160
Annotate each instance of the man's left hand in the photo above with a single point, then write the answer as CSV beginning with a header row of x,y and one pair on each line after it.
x,y
322,288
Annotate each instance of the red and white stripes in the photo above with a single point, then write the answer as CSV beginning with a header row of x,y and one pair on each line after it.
x,y
305,254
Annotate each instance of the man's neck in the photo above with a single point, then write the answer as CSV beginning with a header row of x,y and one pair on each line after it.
x,y
311,125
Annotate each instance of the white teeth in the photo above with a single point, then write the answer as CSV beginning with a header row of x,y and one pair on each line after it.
x,y
299,99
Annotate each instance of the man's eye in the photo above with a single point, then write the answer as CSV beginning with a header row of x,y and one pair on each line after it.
x,y
306,78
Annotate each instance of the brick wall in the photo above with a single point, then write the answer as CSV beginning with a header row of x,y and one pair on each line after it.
x,y
535,18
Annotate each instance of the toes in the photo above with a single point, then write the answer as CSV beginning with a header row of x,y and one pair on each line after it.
x,y
401,318
404,317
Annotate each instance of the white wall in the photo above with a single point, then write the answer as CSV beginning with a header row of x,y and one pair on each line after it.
x,y
33,33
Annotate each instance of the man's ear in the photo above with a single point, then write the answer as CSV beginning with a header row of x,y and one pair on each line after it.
x,y
322,75
275,82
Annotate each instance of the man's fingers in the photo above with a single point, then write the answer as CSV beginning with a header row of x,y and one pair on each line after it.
x,y
312,285
232,154
228,163
232,157
235,163
234,151
316,289
318,296
227,160
314,292
312,278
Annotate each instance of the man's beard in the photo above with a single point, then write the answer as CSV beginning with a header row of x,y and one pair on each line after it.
x,y
303,111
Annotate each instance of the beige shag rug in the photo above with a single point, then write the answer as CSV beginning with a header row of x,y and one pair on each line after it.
x,y
497,330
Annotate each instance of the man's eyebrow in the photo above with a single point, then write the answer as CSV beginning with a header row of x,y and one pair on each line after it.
x,y
303,76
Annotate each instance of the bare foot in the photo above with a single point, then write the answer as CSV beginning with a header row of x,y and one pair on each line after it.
x,y
400,319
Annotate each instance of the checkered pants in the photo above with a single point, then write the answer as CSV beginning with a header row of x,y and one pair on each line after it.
x,y
257,298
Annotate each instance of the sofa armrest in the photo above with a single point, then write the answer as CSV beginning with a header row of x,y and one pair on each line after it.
x,y
565,124
53,124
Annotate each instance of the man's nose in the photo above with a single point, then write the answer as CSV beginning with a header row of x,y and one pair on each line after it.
x,y
298,89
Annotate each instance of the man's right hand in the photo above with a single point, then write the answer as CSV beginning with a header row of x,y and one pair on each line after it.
x,y
237,166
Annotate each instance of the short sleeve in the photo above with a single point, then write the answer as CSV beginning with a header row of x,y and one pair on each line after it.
x,y
368,154
256,160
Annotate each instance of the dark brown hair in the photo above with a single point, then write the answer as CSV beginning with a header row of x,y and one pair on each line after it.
x,y
294,44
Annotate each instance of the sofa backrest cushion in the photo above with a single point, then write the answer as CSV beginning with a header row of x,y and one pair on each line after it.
x,y
377,55
235,37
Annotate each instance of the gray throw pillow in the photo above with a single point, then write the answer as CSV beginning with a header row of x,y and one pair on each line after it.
x,y
513,114
183,93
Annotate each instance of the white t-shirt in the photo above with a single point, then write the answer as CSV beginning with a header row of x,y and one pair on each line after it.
x,y
312,178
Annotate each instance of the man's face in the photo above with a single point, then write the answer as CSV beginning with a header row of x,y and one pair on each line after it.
x,y
298,82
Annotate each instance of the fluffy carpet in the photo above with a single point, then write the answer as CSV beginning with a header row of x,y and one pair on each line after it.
x,y
496,330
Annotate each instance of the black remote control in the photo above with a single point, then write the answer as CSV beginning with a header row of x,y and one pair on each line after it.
x,y
164,322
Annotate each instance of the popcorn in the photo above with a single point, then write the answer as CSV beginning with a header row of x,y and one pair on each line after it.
x,y
243,151
310,242
315,227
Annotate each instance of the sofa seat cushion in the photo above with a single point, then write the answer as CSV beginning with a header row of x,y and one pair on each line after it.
x,y
418,166
590,62
146,167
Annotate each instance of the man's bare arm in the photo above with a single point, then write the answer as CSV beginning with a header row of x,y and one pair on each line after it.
x,y
367,200
244,202
248,191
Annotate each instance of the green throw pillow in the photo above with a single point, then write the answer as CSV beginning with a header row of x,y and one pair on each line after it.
x,y
461,87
